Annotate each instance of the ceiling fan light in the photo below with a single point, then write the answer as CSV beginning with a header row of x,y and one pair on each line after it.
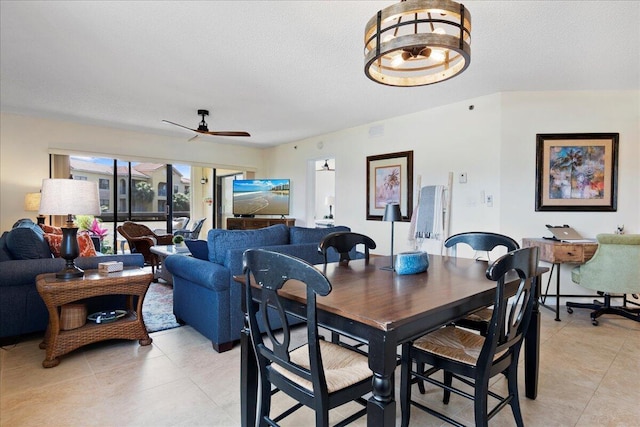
x,y
429,25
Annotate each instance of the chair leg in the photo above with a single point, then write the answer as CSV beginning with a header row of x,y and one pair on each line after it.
x,y
448,381
420,369
405,385
512,378
480,403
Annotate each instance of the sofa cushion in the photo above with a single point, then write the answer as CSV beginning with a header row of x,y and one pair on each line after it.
x,y
299,235
198,248
27,243
220,241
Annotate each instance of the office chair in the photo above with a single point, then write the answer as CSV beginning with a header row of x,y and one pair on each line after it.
x,y
613,269
474,359
318,374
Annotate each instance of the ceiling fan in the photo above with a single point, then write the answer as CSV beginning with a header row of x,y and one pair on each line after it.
x,y
203,129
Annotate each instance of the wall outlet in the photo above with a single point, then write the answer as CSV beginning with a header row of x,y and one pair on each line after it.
x,y
462,177
489,201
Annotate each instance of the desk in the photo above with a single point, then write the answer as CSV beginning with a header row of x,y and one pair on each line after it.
x,y
385,309
557,252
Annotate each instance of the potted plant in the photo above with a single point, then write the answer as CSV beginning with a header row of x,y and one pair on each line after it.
x,y
178,241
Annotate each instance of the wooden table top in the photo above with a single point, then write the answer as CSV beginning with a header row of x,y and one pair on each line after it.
x,y
385,300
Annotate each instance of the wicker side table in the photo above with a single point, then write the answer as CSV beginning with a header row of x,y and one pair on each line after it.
x,y
132,282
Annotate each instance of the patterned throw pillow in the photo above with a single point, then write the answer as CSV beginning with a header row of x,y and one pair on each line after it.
x,y
51,229
84,242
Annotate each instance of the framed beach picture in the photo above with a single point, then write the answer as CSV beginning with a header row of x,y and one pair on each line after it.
x,y
390,180
577,172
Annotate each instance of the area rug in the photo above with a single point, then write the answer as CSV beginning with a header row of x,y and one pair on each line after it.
x,y
157,308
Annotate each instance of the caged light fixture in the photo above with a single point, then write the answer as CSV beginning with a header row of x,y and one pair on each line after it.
x,y
417,43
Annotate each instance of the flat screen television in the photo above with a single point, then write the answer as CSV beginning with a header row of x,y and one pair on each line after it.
x,y
260,197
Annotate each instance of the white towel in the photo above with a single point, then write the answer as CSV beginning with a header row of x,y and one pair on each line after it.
x,y
430,218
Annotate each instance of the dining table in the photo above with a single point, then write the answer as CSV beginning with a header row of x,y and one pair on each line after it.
x,y
384,310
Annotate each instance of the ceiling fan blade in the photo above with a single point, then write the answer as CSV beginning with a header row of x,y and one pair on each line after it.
x,y
227,133
176,124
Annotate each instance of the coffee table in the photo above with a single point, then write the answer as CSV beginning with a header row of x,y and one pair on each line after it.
x,y
132,282
163,251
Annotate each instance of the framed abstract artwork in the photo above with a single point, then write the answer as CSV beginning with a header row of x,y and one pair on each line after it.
x,y
390,180
577,172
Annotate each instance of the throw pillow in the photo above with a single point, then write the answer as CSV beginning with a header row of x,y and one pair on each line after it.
x,y
51,229
198,249
84,242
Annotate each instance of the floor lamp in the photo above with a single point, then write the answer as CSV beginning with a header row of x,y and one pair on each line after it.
x,y
69,197
392,214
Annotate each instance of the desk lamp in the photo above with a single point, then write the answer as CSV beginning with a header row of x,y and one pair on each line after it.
x,y
330,201
69,197
392,214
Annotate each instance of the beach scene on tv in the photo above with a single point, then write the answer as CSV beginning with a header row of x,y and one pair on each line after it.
x,y
261,197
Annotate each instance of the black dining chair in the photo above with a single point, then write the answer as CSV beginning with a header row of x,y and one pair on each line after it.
x,y
317,374
345,243
486,242
474,359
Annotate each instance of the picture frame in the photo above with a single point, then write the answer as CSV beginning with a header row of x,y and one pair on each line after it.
x,y
390,180
577,172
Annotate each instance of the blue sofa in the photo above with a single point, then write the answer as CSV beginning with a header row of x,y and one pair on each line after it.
x,y
205,295
24,254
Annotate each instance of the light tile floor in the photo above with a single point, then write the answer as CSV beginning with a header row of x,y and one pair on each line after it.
x,y
589,376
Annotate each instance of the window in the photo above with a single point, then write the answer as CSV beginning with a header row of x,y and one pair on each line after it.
x,y
162,205
176,189
122,188
162,189
79,177
103,184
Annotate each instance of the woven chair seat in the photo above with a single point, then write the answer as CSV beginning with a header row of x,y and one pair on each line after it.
x,y
482,315
342,367
454,343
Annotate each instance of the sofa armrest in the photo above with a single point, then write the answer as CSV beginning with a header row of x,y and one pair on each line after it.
x,y
201,272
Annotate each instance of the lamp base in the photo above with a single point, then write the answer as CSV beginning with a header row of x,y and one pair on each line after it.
x,y
70,272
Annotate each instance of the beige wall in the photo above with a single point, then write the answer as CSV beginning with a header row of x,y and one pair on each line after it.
x,y
25,144
494,144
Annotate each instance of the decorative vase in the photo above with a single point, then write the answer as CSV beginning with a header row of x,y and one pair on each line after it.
x,y
411,262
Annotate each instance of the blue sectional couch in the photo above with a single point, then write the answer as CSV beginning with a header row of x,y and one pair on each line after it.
x,y
205,295
23,255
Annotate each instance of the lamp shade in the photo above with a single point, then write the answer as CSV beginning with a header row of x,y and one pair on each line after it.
x,y
329,201
32,202
69,196
392,213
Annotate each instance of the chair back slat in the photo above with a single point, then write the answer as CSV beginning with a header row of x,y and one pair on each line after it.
x,y
511,313
482,241
270,271
344,242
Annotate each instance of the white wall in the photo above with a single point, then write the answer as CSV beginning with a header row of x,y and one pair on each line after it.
x,y
25,144
495,144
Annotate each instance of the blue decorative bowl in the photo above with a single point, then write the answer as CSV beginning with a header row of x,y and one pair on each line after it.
x,y
412,262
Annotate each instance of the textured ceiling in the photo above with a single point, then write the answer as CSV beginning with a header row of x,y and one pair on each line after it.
x,y
284,70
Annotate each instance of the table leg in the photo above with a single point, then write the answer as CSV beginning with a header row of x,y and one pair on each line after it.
x,y
381,407
557,319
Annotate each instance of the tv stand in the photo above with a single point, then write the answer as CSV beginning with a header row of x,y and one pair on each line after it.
x,y
255,223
